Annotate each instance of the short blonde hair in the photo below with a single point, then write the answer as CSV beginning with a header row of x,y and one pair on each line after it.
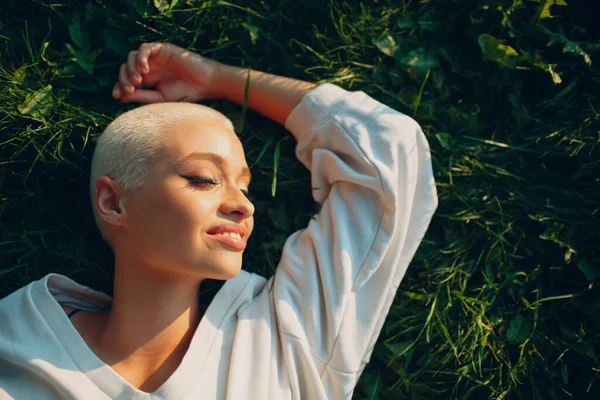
x,y
128,146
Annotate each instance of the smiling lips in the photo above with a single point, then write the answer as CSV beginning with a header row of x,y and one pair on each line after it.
x,y
231,235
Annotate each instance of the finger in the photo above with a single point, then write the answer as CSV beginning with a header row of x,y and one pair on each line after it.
x,y
132,71
126,86
116,93
146,51
143,96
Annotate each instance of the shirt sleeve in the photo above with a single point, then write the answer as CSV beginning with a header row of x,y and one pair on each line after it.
x,y
371,173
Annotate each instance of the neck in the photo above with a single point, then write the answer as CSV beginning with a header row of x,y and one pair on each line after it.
x,y
154,314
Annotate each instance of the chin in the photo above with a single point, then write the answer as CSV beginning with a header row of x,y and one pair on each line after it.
x,y
233,273
233,269
225,269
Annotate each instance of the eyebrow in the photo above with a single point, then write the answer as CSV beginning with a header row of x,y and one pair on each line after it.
x,y
215,158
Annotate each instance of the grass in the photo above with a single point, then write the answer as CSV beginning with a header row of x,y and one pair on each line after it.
x,y
501,300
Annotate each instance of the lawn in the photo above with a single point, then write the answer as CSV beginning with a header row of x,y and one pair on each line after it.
x,y
501,300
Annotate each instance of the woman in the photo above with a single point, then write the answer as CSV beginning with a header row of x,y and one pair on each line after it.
x,y
169,185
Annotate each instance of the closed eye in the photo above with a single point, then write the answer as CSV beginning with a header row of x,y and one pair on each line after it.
x,y
200,180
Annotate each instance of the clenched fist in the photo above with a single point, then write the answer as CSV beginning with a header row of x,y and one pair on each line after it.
x,y
159,72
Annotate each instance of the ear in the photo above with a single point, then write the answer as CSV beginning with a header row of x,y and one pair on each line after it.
x,y
109,200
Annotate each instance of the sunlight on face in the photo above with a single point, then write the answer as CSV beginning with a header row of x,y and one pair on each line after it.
x,y
199,184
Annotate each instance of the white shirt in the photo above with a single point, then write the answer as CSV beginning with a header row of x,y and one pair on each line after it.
x,y
307,332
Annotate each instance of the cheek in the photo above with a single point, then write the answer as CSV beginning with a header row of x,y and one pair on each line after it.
x,y
174,219
186,216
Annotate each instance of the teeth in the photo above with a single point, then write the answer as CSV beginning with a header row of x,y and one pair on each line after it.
x,y
232,234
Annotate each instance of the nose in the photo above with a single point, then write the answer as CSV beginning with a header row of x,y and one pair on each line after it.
x,y
236,202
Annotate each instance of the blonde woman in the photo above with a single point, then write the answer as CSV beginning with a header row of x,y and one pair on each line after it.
x,y
169,185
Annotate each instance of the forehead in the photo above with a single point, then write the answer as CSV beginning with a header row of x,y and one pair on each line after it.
x,y
203,135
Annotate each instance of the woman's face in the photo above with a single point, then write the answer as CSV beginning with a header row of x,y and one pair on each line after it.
x,y
196,191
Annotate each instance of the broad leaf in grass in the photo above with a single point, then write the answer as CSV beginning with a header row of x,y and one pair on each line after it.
x,y
591,272
444,140
91,11
116,41
568,45
78,32
518,329
549,68
19,74
585,349
38,103
87,61
572,47
407,21
388,44
543,10
494,50
164,6
538,62
419,60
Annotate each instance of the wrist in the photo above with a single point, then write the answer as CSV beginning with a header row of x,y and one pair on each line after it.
x,y
226,81
212,72
199,72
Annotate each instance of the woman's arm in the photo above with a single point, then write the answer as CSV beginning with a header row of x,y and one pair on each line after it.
x,y
270,95
158,72
336,281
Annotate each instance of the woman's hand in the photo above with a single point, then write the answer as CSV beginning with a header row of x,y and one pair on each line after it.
x,y
159,72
